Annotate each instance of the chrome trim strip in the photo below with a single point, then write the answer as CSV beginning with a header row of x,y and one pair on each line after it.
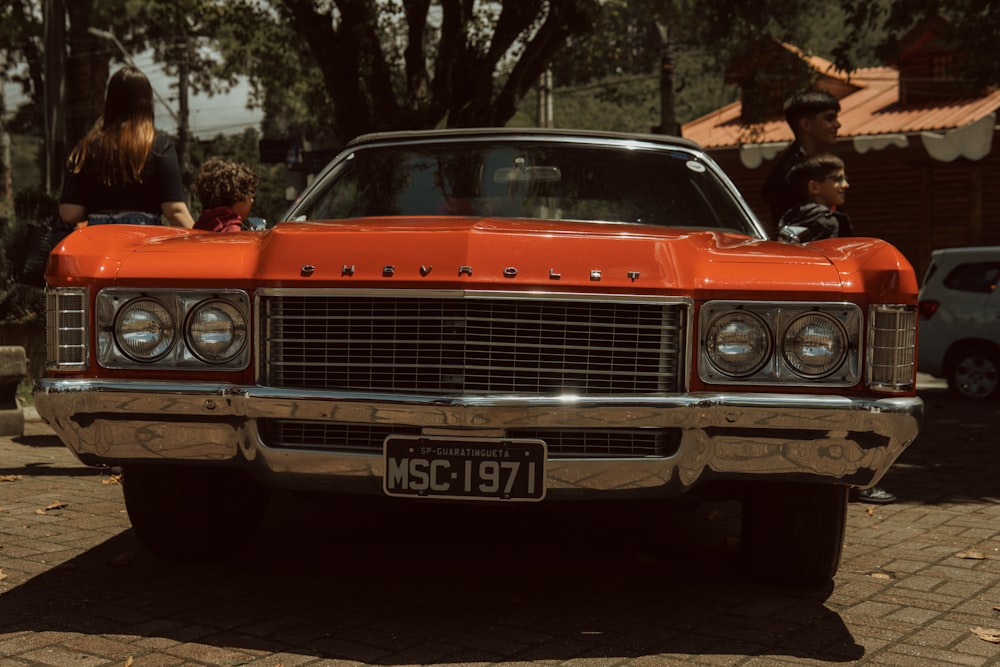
x,y
62,330
725,436
521,295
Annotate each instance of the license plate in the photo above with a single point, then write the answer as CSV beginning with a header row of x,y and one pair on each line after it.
x,y
467,469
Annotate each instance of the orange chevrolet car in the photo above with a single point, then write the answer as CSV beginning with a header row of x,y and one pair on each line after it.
x,y
492,316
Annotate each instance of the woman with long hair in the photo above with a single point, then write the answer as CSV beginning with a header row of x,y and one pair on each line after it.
x,y
122,171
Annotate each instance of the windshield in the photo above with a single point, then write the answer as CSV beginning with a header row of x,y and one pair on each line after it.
x,y
535,180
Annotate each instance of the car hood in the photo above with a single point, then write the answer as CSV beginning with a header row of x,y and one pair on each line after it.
x,y
477,253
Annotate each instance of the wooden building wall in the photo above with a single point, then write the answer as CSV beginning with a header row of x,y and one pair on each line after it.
x,y
903,196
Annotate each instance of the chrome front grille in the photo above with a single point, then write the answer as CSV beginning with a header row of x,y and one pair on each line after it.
x,y
472,343
561,443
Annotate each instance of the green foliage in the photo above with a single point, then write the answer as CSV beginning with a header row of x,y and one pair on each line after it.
x,y
325,71
975,32
623,41
20,304
288,84
461,64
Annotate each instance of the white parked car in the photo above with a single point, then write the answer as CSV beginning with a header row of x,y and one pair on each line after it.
x,y
959,337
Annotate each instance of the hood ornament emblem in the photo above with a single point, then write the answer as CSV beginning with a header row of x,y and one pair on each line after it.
x,y
424,270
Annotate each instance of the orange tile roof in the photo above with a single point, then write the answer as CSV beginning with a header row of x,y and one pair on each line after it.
x,y
870,110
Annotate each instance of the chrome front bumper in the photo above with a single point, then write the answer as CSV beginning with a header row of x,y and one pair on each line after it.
x,y
830,439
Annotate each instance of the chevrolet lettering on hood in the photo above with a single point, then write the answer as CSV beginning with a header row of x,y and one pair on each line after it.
x,y
489,317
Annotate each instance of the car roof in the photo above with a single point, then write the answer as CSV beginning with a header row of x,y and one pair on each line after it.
x,y
972,253
522,133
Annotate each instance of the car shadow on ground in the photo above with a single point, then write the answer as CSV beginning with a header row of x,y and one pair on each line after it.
x,y
379,583
955,457
390,583
45,468
33,440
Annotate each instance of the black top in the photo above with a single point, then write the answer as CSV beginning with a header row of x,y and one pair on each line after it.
x,y
777,191
812,222
161,182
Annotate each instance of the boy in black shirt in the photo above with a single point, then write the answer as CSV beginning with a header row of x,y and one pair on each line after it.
x,y
820,184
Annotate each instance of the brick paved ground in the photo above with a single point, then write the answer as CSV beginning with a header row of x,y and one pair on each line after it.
x,y
329,584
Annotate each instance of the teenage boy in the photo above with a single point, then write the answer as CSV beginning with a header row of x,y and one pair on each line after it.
x,y
820,185
813,119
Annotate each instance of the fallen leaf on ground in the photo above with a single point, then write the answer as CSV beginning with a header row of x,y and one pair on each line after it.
x,y
987,634
881,575
971,554
110,481
57,505
996,608
2,575
9,478
129,662
870,510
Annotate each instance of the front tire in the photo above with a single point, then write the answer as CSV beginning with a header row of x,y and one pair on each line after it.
x,y
975,373
182,512
793,533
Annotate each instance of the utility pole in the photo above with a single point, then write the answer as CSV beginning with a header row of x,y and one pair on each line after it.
x,y
183,72
545,115
183,127
54,93
7,183
668,113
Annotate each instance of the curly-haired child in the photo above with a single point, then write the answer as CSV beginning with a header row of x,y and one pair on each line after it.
x,y
226,190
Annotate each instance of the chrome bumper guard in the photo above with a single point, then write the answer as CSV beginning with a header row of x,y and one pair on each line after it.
x,y
828,439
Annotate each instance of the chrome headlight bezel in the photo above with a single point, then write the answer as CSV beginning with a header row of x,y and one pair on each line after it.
x,y
218,339
783,320
144,329
738,343
808,350
114,303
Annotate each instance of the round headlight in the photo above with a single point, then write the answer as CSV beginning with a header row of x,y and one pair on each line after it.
x,y
814,345
145,329
216,331
738,343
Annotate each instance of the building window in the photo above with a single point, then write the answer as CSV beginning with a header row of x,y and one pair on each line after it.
x,y
941,66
